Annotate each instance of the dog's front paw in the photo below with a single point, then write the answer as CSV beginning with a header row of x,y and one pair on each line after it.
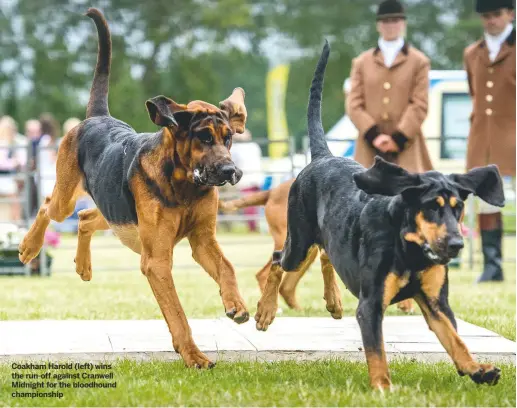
x,y
235,308
30,246
406,306
194,358
381,383
487,374
266,312
83,265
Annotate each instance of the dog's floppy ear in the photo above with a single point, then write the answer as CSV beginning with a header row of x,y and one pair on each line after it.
x,y
387,179
160,112
484,182
236,110
164,111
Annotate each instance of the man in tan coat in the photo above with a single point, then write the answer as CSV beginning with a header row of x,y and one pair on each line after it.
x,y
490,65
388,97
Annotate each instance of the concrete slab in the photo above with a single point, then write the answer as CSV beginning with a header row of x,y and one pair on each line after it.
x,y
288,338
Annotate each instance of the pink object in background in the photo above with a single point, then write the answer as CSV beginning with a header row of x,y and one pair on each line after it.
x,y
252,224
52,238
467,232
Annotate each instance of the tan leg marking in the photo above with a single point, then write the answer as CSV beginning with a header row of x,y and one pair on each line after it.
x,y
331,291
268,303
207,252
90,220
61,203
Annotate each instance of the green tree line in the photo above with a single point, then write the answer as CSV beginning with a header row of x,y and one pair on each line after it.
x,y
202,49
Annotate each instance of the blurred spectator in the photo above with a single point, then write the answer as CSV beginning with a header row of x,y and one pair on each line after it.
x,y
69,124
47,154
33,133
490,65
13,157
388,96
247,156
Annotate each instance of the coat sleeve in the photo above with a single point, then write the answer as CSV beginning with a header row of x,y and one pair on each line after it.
x,y
469,72
413,117
356,106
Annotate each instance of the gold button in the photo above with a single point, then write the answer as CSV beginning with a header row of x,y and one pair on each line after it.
x,y
385,116
489,98
387,85
490,70
490,84
489,112
386,100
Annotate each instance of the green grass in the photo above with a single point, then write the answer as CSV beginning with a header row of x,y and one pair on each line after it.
x,y
323,383
126,295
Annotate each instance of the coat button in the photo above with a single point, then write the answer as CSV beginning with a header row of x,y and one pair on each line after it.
x,y
489,98
490,70
490,84
385,100
489,112
385,116
387,86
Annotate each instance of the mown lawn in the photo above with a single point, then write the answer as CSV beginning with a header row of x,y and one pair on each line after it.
x,y
117,294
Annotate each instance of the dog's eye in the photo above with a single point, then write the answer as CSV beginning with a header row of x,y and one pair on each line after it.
x,y
227,140
205,137
458,209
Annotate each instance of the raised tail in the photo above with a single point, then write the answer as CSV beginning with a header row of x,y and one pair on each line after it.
x,y
317,141
259,198
98,103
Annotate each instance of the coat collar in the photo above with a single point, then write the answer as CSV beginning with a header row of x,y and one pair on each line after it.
x,y
405,49
401,56
510,40
506,49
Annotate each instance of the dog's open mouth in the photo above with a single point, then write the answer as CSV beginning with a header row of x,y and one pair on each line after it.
x,y
433,256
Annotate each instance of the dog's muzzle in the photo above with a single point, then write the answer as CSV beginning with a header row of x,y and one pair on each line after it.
x,y
443,255
226,173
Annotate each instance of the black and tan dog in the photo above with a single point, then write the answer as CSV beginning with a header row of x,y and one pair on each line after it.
x,y
151,189
275,210
389,235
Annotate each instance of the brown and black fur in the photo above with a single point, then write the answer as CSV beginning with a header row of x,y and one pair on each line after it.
x,y
389,235
151,189
275,210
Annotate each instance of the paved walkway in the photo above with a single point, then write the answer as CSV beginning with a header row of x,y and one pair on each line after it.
x,y
287,338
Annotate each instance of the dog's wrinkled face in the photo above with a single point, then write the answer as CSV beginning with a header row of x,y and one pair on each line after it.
x,y
210,142
202,136
435,202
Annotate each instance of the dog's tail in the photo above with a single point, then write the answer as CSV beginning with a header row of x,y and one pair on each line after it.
x,y
259,198
98,103
318,144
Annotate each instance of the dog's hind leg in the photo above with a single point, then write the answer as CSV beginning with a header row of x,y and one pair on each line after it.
x,y
290,280
268,303
297,243
332,293
61,203
263,274
90,220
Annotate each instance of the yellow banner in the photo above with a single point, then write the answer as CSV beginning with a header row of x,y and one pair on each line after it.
x,y
276,87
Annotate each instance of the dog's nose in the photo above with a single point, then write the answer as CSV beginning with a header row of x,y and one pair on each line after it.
x,y
227,171
454,246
